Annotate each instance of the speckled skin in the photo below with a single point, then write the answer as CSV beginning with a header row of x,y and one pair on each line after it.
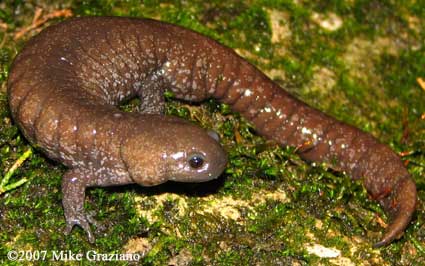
x,y
65,85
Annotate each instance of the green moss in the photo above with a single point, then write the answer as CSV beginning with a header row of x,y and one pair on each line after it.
x,y
376,91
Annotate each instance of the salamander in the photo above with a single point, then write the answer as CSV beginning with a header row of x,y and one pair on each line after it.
x,y
65,86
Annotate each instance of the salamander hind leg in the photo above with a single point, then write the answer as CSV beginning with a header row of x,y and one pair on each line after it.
x,y
74,184
152,97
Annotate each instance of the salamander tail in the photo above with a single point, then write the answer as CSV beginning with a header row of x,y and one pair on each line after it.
x,y
400,204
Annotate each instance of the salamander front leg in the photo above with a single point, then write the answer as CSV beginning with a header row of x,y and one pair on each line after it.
x,y
74,184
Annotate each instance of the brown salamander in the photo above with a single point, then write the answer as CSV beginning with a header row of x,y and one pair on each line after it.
x,y
65,85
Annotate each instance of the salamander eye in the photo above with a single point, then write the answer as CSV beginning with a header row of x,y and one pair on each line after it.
x,y
196,161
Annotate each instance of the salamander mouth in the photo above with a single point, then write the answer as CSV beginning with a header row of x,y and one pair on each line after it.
x,y
198,179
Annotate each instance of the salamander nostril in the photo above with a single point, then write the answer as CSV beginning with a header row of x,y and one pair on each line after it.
x,y
214,135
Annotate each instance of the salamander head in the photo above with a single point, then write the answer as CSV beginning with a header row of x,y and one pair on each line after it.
x,y
173,151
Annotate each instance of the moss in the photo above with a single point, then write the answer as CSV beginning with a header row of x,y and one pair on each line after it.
x,y
373,60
